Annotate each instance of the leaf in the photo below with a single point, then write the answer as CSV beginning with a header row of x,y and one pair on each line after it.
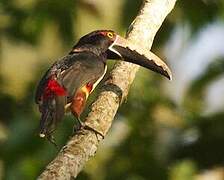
x,y
199,13
193,101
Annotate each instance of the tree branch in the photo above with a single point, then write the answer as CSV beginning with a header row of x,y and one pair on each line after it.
x,y
73,156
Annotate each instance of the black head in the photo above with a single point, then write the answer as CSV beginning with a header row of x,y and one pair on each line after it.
x,y
113,46
96,41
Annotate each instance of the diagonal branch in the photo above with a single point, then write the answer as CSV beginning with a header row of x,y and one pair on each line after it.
x,y
73,156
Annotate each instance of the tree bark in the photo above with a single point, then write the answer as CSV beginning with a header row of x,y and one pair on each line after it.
x,y
83,145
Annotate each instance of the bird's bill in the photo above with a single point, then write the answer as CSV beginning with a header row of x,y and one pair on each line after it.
x,y
124,50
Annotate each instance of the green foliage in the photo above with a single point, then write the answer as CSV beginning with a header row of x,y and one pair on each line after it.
x,y
27,24
214,70
199,13
130,10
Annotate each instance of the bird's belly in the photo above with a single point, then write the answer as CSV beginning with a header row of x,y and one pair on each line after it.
x,y
78,103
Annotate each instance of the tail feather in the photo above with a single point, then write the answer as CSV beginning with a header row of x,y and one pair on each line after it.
x,y
52,114
45,122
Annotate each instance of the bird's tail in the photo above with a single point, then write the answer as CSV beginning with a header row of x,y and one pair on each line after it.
x,y
52,113
45,123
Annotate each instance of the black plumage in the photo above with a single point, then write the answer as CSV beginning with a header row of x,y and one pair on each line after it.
x,y
69,81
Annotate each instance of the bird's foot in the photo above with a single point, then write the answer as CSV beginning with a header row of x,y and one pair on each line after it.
x,y
94,130
82,125
79,126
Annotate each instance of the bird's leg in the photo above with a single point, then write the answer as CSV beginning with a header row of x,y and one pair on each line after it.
x,y
79,126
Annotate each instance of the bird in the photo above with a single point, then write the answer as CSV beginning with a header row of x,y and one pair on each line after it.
x,y
67,84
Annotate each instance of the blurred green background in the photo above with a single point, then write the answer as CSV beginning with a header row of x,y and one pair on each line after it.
x,y
164,130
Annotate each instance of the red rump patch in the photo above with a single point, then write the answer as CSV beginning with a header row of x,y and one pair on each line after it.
x,y
53,87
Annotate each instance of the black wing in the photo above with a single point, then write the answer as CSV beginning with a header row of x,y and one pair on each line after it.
x,y
83,68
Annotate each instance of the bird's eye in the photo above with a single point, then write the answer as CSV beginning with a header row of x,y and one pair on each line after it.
x,y
110,34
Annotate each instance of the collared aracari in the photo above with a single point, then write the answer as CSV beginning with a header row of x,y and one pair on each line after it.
x,y
69,81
